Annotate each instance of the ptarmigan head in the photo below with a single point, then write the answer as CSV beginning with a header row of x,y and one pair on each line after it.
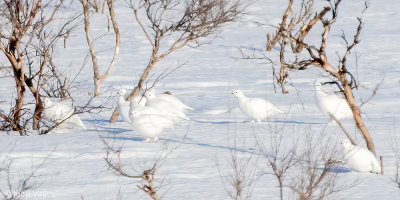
x,y
122,92
346,144
238,93
47,103
150,94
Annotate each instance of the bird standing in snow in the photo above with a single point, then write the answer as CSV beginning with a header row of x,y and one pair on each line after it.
x,y
150,125
124,105
165,107
255,108
169,98
135,106
60,113
332,103
360,159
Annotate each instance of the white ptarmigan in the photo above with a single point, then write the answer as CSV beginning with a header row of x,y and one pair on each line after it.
x,y
150,125
60,113
360,159
165,107
134,105
168,97
124,105
332,103
256,108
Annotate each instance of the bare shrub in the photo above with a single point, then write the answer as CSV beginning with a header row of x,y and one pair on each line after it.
x,y
280,157
396,150
87,4
296,54
29,47
89,107
183,22
12,188
396,178
240,178
148,174
315,176
306,165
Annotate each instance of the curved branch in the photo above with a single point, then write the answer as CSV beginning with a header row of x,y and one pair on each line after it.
x,y
117,40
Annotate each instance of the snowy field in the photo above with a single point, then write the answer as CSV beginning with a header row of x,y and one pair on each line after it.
x,y
201,149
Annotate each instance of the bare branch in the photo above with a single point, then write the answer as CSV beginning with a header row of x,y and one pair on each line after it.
x,y
343,129
317,57
188,20
307,27
282,27
142,27
373,93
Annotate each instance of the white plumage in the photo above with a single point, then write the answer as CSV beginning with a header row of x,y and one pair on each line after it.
x,y
255,108
159,112
60,113
169,98
150,125
124,106
135,106
332,103
360,159
165,107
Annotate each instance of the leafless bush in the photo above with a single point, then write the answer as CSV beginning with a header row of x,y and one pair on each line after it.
x,y
396,150
56,84
291,35
306,163
147,175
87,4
12,188
7,122
29,47
89,107
315,176
397,162
280,157
240,177
183,22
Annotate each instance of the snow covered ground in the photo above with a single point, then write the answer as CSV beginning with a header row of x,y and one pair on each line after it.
x,y
74,164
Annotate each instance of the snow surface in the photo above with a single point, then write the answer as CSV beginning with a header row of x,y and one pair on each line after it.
x,y
75,166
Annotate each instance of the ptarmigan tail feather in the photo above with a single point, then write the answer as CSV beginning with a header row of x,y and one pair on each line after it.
x,y
183,116
77,121
188,108
376,168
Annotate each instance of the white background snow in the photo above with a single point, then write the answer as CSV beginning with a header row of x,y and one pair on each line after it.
x,y
75,167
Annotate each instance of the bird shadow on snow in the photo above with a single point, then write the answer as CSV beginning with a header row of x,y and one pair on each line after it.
x,y
137,139
186,141
337,169
190,141
96,121
111,130
248,121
